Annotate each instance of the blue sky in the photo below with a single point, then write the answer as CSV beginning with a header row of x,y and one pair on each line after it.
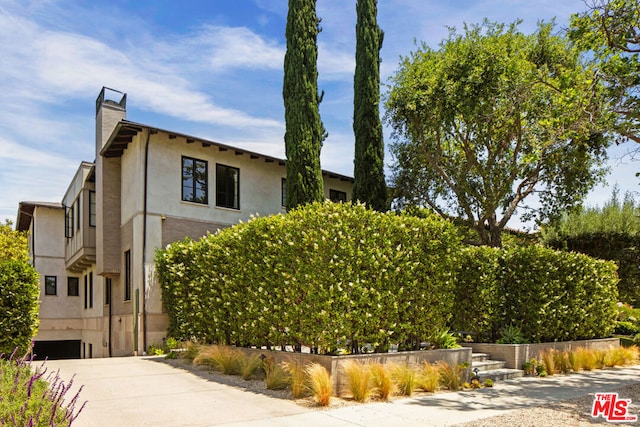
x,y
212,69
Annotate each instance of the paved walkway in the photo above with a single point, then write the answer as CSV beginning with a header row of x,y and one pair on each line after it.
x,y
141,392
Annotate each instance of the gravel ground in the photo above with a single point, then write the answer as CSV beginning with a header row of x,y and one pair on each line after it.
x,y
574,412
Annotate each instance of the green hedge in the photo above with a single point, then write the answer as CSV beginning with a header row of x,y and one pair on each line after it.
x,y
333,275
19,292
476,293
623,248
550,295
322,275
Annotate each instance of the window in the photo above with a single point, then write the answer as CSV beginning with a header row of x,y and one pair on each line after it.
x,y
227,187
92,208
337,196
68,222
78,213
86,292
73,286
107,291
91,289
194,180
283,188
127,276
50,285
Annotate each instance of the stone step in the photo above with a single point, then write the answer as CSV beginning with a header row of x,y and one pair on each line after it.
x,y
500,374
479,357
487,365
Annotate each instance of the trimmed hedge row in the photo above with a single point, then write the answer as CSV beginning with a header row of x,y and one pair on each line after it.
x,y
549,295
623,248
321,276
335,275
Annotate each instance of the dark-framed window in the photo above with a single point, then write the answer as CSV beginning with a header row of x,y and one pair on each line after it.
x,y
73,286
50,285
92,208
337,196
283,192
227,187
78,213
91,289
107,291
86,292
127,276
195,180
68,222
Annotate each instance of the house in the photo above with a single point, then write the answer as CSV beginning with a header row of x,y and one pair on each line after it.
x,y
147,188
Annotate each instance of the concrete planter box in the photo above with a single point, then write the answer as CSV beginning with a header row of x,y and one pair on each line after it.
x,y
517,354
334,364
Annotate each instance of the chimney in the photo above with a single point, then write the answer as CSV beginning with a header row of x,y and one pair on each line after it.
x,y
111,108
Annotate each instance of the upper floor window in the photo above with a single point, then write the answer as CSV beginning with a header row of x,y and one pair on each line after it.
x,y
227,187
68,222
50,285
92,208
283,192
194,180
78,213
337,196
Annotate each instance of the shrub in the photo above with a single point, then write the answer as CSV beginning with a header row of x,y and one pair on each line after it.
x,y
250,366
405,378
382,381
444,339
27,399
548,360
281,279
19,293
511,334
319,383
429,377
276,377
476,294
556,296
452,377
298,378
626,328
359,380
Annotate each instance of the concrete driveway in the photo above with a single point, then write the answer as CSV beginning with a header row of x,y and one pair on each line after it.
x,y
143,392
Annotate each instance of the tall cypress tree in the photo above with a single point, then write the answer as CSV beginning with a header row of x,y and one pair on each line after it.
x,y
304,129
368,171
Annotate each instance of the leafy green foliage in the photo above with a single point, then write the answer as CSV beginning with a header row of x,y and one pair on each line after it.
x,y
322,274
493,118
304,129
611,232
609,33
19,292
511,335
27,398
369,184
13,244
549,295
557,296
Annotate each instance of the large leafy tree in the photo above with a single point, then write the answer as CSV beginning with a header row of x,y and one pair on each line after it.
x,y
369,186
304,129
493,118
610,32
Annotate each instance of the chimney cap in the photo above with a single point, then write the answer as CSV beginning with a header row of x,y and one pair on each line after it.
x,y
110,96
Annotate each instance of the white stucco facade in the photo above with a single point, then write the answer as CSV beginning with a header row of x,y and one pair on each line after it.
x,y
130,203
